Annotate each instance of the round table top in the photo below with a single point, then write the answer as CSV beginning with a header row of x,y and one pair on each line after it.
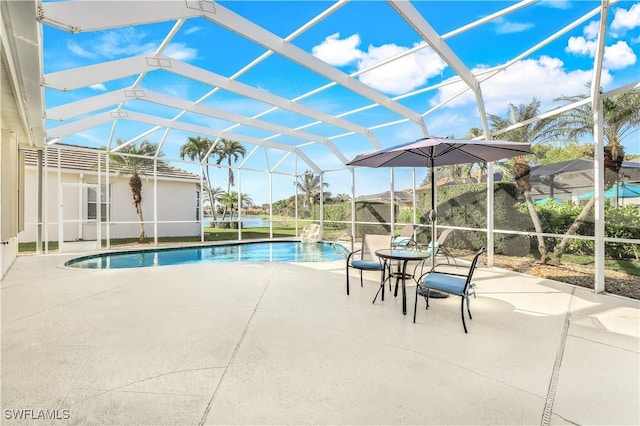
x,y
402,254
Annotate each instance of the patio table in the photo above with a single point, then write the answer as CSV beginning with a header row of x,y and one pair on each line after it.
x,y
403,256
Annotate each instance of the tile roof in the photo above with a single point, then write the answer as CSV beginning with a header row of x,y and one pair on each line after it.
x,y
85,159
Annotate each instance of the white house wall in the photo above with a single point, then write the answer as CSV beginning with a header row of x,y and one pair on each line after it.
x,y
177,201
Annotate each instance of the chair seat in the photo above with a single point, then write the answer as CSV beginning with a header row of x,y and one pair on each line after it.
x,y
369,265
401,241
450,284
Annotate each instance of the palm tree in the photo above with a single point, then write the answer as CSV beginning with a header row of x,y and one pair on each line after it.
x,y
231,151
215,197
309,184
342,198
230,200
197,148
135,164
537,131
621,118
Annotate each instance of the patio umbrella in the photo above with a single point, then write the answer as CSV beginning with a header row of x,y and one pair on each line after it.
x,y
432,152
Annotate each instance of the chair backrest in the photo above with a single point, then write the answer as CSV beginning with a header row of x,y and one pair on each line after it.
x,y
373,242
311,233
407,231
443,236
472,268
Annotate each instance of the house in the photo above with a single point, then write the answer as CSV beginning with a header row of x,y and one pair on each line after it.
x,y
403,199
570,180
76,200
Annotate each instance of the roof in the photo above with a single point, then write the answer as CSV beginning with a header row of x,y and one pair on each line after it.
x,y
398,196
578,173
86,159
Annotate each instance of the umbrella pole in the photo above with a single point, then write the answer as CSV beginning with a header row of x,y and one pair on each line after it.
x,y
433,216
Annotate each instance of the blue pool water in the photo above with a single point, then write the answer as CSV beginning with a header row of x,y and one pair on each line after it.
x,y
280,251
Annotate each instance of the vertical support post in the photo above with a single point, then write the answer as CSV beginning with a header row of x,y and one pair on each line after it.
x,y
45,188
81,189
40,203
155,201
598,181
295,185
353,205
99,205
414,200
321,198
108,197
270,204
239,201
392,198
598,140
490,215
201,202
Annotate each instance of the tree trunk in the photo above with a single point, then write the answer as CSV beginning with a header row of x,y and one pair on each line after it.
x,y
135,183
211,201
559,249
613,157
141,237
537,225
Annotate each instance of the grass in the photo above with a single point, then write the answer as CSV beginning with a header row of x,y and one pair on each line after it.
x,y
211,234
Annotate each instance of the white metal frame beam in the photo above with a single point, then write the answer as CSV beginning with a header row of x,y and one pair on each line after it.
x,y
66,15
99,73
95,103
105,117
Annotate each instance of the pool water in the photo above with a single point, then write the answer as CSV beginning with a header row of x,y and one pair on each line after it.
x,y
280,251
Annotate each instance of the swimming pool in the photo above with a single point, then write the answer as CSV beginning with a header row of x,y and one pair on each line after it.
x,y
273,251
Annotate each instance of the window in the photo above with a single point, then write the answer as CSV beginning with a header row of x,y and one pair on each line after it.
x,y
92,204
197,205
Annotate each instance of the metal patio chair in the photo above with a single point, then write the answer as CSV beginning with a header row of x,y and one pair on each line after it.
x,y
448,282
365,259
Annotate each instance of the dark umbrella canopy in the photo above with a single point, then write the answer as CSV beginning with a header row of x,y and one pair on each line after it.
x,y
434,152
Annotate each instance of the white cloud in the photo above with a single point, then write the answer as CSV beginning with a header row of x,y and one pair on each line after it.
x,y
101,87
180,52
591,30
79,51
115,44
504,26
192,30
395,78
618,56
624,20
338,52
544,78
122,42
403,75
557,4
580,46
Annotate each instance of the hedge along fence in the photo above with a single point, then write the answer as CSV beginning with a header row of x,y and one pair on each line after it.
x,y
622,222
377,212
466,206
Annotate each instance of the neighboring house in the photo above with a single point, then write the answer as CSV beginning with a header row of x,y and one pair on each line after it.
x,y
403,199
569,180
72,186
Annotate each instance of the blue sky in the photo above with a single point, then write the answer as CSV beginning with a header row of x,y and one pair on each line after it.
x,y
352,38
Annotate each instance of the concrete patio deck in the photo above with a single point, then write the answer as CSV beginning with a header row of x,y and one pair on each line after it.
x,y
284,344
